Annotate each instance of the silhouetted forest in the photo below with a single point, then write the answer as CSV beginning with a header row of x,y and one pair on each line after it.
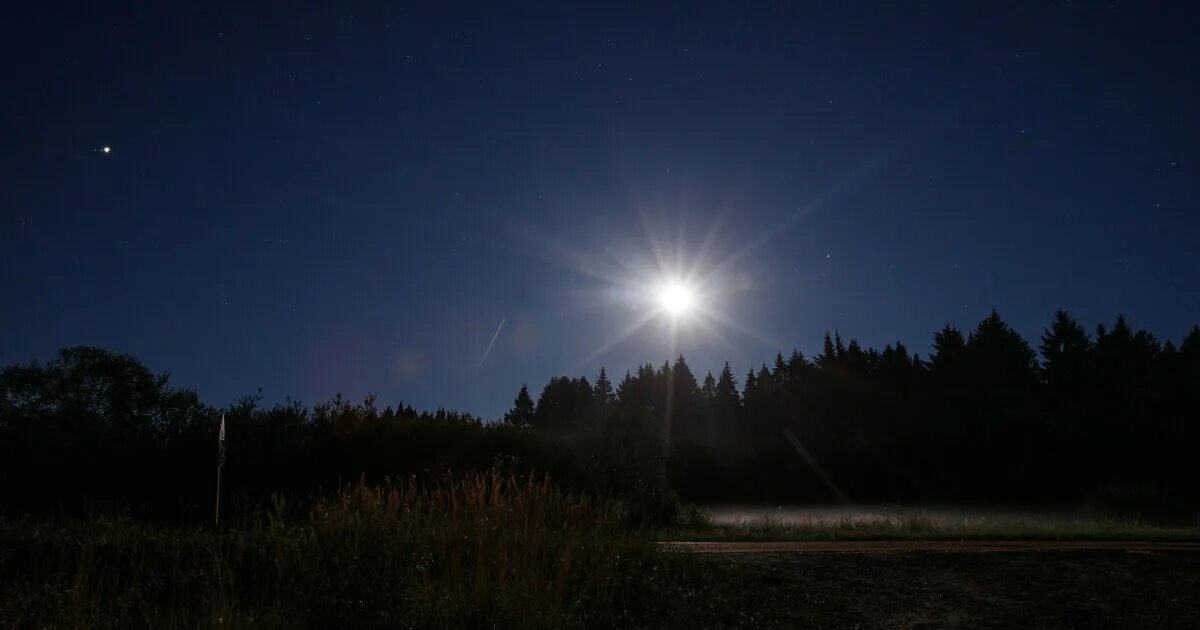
x,y
985,417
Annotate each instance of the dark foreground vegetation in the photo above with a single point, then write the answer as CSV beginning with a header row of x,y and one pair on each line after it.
x,y
486,550
492,551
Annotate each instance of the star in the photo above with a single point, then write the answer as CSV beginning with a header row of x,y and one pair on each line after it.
x,y
106,149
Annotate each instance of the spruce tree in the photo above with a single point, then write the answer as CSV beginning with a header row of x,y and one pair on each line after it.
x,y
684,381
779,374
521,413
1066,352
603,390
751,386
829,352
764,375
709,388
949,348
727,391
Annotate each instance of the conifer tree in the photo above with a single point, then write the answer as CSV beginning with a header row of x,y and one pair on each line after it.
x,y
997,350
727,392
521,413
949,348
1066,351
748,391
709,388
764,375
603,391
780,373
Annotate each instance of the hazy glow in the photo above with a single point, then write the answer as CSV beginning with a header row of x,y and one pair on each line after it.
x,y
676,299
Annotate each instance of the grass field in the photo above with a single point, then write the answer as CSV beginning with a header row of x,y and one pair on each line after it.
x,y
486,550
492,550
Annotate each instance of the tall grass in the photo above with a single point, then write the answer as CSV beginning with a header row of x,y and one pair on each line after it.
x,y
483,550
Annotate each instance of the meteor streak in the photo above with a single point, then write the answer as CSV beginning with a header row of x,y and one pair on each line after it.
x,y
493,342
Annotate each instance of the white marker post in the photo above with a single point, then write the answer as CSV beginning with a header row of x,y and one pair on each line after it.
x,y
220,464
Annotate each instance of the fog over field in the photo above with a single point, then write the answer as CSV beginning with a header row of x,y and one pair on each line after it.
x,y
893,515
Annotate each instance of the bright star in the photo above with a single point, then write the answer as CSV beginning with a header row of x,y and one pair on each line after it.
x,y
106,149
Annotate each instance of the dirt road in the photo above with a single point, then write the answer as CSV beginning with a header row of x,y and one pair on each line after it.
x,y
915,584
929,546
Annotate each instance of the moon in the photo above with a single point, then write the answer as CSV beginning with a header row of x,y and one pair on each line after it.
x,y
676,299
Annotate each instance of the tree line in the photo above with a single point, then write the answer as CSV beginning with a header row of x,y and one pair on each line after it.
x,y
95,432
985,417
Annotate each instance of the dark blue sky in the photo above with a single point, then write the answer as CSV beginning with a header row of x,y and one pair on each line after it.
x,y
350,200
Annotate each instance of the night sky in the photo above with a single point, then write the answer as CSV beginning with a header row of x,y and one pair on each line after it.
x,y
324,200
